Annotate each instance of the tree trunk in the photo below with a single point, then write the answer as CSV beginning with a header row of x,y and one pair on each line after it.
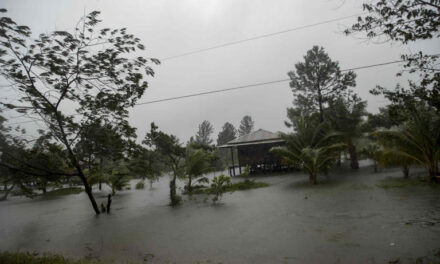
x,y
109,203
354,164
339,161
7,191
189,187
312,179
75,163
43,188
173,195
100,175
405,171
433,172
375,165
321,111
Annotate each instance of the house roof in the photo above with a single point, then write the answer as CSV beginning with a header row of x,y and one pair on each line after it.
x,y
260,136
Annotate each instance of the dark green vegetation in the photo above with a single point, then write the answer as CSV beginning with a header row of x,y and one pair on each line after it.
x,y
36,258
246,185
64,191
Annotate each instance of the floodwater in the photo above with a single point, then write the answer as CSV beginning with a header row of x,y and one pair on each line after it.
x,y
347,219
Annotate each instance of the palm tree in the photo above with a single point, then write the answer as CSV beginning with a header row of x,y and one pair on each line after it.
x,y
372,151
312,147
389,157
417,140
197,163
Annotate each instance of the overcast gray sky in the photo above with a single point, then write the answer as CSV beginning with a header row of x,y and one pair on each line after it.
x,y
172,27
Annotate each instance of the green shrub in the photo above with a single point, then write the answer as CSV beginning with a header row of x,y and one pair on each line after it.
x,y
219,185
140,185
64,191
247,171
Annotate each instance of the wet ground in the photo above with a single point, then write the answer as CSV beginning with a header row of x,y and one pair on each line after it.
x,y
346,219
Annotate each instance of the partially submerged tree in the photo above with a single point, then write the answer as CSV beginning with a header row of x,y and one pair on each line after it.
x,y
246,125
318,79
345,115
147,164
373,151
119,178
92,69
204,133
219,186
418,140
101,144
53,157
197,163
172,154
312,147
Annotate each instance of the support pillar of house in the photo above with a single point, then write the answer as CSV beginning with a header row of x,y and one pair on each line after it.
x,y
232,158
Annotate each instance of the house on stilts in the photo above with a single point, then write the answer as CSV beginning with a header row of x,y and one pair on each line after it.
x,y
253,149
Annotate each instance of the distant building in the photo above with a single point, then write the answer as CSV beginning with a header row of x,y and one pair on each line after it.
x,y
253,149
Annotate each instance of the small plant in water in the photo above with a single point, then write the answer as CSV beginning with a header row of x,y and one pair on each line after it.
x,y
219,185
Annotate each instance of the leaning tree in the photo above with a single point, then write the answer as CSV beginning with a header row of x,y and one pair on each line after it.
x,y
93,70
406,21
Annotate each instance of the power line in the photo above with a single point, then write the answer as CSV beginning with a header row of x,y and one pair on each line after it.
x,y
211,92
259,84
243,86
260,37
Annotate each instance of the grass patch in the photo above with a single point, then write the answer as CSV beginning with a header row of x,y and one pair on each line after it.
x,y
36,258
64,191
392,182
246,185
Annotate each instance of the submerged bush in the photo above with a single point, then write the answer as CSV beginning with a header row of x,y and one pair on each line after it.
x,y
219,185
239,186
140,185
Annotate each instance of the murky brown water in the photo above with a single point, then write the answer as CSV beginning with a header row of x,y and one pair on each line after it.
x,y
347,220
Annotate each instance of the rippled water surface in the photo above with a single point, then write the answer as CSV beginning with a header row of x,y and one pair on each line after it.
x,y
346,219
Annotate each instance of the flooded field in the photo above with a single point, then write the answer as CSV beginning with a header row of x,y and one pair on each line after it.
x,y
346,219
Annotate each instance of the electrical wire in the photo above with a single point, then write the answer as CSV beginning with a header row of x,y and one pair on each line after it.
x,y
259,37
239,87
